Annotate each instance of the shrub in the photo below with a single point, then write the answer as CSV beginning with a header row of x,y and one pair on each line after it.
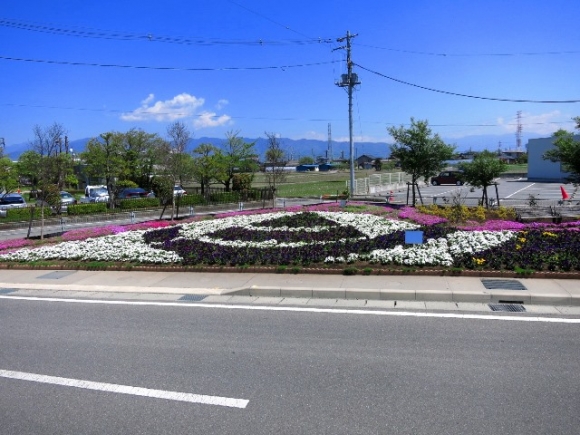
x,y
132,204
80,209
224,197
23,214
191,199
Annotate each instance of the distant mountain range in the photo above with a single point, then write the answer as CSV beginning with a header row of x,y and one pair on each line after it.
x,y
297,148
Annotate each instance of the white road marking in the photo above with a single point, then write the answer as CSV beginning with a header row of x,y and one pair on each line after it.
x,y
125,389
305,310
518,191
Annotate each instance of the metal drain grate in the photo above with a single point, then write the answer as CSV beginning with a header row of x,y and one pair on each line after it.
x,y
512,308
57,274
503,284
192,298
5,291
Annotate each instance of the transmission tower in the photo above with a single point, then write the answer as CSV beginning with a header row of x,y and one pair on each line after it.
x,y
519,131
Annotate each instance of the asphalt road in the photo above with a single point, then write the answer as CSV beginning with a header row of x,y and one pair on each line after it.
x,y
300,372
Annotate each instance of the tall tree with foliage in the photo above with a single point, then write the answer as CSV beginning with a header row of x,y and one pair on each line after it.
x,y
235,156
28,164
421,153
56,163
204,165
104,158
566,151
276,159
140,150
8,175
481,172
174,163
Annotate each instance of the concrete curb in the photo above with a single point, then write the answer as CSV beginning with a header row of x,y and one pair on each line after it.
x,y
425,295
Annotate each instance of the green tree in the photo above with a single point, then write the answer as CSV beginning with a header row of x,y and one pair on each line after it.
x,y
421,153
306,160
276,159
236,156
140,151
203,165
27,167
56,163
103,159
378,164
8,175
174,163
481,172
567,152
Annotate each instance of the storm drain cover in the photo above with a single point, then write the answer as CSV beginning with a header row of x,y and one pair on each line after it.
x,y
5,291
57,274
192,298
503,284
512,308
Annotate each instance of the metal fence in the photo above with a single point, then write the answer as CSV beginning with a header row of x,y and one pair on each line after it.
x,y
376,183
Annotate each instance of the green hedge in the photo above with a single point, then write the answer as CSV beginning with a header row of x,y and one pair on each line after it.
x,y
224,197
80,209
23,214
194,199
132,204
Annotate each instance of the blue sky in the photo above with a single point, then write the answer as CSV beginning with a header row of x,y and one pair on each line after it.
x,y
254,66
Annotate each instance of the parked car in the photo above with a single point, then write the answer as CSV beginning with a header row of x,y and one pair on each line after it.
x,y
96,194
178,190
66,199
448,177
11,200
134,192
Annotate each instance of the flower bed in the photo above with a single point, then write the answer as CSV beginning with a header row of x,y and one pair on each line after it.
x,y
324,238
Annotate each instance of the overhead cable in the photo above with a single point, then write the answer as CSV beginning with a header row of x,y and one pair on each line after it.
x,y
427,53
165,68
508,100
81,32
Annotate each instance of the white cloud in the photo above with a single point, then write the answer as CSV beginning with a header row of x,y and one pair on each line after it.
x,y
221,104
181,106
210,119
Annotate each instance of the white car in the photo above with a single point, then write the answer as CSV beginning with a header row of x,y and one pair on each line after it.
x,y
178,190
96,194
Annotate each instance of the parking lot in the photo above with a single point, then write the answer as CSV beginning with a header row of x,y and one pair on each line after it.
x,y
512,192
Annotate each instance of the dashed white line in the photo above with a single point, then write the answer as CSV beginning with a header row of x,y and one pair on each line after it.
x,y
305,310
126,389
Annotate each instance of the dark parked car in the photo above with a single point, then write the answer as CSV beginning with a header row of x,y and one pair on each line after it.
x,y
10,200
448,177
134,192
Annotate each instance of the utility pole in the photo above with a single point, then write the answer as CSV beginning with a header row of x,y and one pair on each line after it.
x,y
349,81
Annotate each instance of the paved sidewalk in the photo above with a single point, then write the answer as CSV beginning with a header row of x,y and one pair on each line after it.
x,y
555,292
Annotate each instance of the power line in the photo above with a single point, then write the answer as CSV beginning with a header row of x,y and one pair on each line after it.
x,y
164,68
268,19
83,32
264,118
509,100
427,53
